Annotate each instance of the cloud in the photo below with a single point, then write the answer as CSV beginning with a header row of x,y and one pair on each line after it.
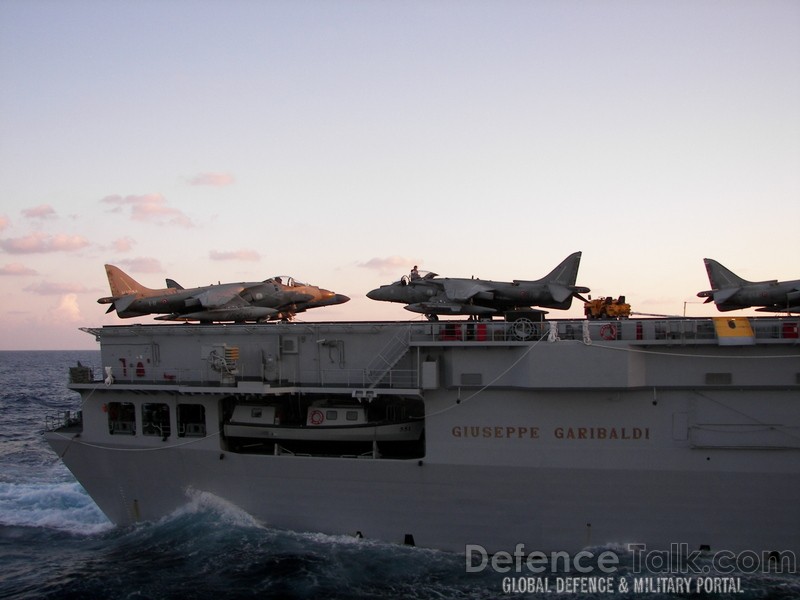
x,y
212,179
16,269
51,288
68,309
43,211
123,244
4,222
234,255
390,263
38,243
150,208
143,265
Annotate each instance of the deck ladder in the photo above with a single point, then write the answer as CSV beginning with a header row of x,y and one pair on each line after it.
x,y
388,357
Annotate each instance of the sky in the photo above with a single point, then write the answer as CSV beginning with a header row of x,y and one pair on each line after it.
x,y
343,141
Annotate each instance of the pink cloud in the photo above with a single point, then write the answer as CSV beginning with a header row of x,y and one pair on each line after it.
x,y
43,211
38,242
4,222
16,269
123,244
52,288
150,208
212,179
234,255
68,309
143,265
390,263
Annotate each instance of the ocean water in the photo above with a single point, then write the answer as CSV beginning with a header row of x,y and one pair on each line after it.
x,y
55,543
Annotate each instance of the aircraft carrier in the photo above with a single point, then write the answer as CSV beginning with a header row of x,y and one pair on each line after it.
x,y
559,435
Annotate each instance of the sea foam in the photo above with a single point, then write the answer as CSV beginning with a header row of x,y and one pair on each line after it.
x,y
64,506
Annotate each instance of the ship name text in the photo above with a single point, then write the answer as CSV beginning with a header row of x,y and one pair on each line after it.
x,y
560,433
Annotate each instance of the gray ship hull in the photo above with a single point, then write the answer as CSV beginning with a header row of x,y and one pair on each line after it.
x,y
451,506
556,445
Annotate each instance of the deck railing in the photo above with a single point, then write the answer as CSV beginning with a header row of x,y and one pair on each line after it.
x,y
662,331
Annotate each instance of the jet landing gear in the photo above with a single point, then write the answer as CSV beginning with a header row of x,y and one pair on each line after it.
x,y
432,317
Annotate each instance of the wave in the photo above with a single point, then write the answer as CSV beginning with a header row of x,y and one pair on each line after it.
x,y
210,548
233,554
62,506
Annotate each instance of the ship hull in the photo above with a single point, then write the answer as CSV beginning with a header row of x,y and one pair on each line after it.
x,y
452,506
556,446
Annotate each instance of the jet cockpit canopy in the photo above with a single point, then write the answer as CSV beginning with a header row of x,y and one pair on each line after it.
x,y
405,279
287,280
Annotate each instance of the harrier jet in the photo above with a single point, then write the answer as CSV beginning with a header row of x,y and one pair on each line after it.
x,y
274,298
432,295
730,292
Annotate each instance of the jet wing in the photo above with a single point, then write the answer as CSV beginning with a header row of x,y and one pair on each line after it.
x,y
781,309
448,308
219,296
462,290
236,313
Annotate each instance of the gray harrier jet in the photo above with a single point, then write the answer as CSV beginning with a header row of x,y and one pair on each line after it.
x,y
432,295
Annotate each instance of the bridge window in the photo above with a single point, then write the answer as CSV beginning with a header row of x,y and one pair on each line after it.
x,y
121,418
155,420
191,420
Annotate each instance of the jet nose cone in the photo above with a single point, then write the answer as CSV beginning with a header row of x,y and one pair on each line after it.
x,y
376,294
330,299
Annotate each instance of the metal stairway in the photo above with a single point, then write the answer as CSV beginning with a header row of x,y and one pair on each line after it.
x,y
387,358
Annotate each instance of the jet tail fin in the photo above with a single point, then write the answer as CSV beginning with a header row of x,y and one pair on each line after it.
x,y
566,273
172,284
721,277
560,282
122,284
